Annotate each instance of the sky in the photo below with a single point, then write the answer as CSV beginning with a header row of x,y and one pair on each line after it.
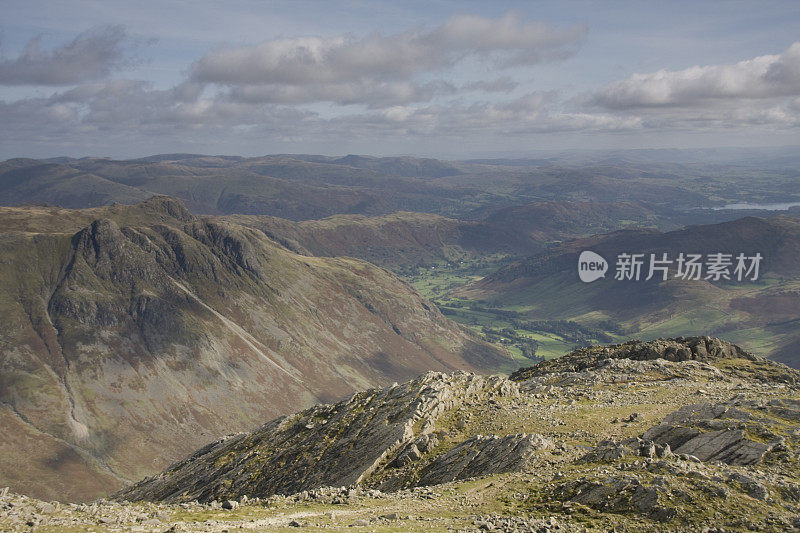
x,y
451,79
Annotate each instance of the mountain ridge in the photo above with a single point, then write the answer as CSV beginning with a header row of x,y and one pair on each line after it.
x,y
150,321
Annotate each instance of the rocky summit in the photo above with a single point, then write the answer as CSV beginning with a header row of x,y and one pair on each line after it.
x,y
684,434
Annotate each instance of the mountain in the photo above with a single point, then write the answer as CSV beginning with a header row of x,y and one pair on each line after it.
x,y
408,238
404,166
401,238
761,315
629,436
134,334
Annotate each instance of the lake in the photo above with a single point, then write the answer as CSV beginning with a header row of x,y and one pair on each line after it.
x,y
766,207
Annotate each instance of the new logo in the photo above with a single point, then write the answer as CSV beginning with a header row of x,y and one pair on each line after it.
x,y
591,266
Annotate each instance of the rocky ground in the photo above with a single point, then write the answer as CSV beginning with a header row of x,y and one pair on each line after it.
x,y
677,435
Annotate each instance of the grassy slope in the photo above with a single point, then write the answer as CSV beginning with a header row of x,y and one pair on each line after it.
x,y
397,240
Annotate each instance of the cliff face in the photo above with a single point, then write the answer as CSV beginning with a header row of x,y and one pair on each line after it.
x,y
130,341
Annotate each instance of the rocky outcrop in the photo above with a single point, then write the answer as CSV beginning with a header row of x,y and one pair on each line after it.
x,y
711,432
423,432
484,455
619,494
337,445
707,432
634,355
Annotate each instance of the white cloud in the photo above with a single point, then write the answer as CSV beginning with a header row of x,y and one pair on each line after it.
x,y
767,76
528,43
753,93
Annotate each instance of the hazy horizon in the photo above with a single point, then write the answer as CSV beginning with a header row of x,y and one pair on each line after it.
x,y
723,153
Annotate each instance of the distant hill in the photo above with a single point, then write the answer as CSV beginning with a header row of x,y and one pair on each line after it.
x,y
62,185
303,187
762,315
133,334
402,166
274,185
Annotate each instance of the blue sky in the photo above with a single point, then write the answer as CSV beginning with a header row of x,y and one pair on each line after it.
x,y
449,79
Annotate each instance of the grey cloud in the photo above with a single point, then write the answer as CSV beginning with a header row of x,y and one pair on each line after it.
x,y
130,108
376,68
470,32
768,76
188,91
739,115
92,55
97,113
127,110
528,43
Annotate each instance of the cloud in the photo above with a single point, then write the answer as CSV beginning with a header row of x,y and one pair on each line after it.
x,y
761,92
134,108
98,113
533,113
92,55
767,76
379,68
